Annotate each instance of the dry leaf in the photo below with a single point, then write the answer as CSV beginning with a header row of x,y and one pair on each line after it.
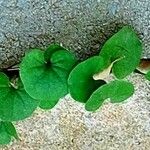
x,y
144,66
105,73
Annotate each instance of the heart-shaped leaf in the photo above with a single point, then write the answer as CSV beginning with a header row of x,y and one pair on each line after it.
x,y
45,74
15,103
117,91
7,131
125,44
81,83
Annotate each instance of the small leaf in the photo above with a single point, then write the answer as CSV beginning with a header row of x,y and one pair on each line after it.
x,y
7,130
4,138
105,73
125,44
15,103
80,81
117,91
50,50
47,104
148,76
45,74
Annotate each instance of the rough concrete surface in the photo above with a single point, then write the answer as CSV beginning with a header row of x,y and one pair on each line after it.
x,y
80,25
68,126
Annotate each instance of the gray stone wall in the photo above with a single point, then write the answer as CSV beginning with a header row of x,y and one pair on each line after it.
x,y
80,25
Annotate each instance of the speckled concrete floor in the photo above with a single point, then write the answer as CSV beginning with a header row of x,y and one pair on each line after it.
x,y
69,127
80,25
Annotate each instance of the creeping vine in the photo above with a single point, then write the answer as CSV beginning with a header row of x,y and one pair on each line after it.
x,y
46,76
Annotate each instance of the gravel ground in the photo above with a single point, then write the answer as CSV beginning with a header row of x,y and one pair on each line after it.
x,y
80,25
69,127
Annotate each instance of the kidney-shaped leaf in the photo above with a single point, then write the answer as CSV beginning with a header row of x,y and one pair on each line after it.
x,y
15,103
45,74
125,44
7,131
117,91
81,83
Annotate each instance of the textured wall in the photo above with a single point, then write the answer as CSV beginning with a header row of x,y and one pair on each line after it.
x,y
81,25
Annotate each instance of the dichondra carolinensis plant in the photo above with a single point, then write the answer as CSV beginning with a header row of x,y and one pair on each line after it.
x,y
46,76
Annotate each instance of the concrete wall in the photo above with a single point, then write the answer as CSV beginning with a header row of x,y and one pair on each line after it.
x,y
80,25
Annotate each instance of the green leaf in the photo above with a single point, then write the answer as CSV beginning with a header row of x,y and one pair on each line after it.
x,y
125,44
15,103
148,76
45,79
4,138
117,91
7,130
81,83
50,50
11,129
47,104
